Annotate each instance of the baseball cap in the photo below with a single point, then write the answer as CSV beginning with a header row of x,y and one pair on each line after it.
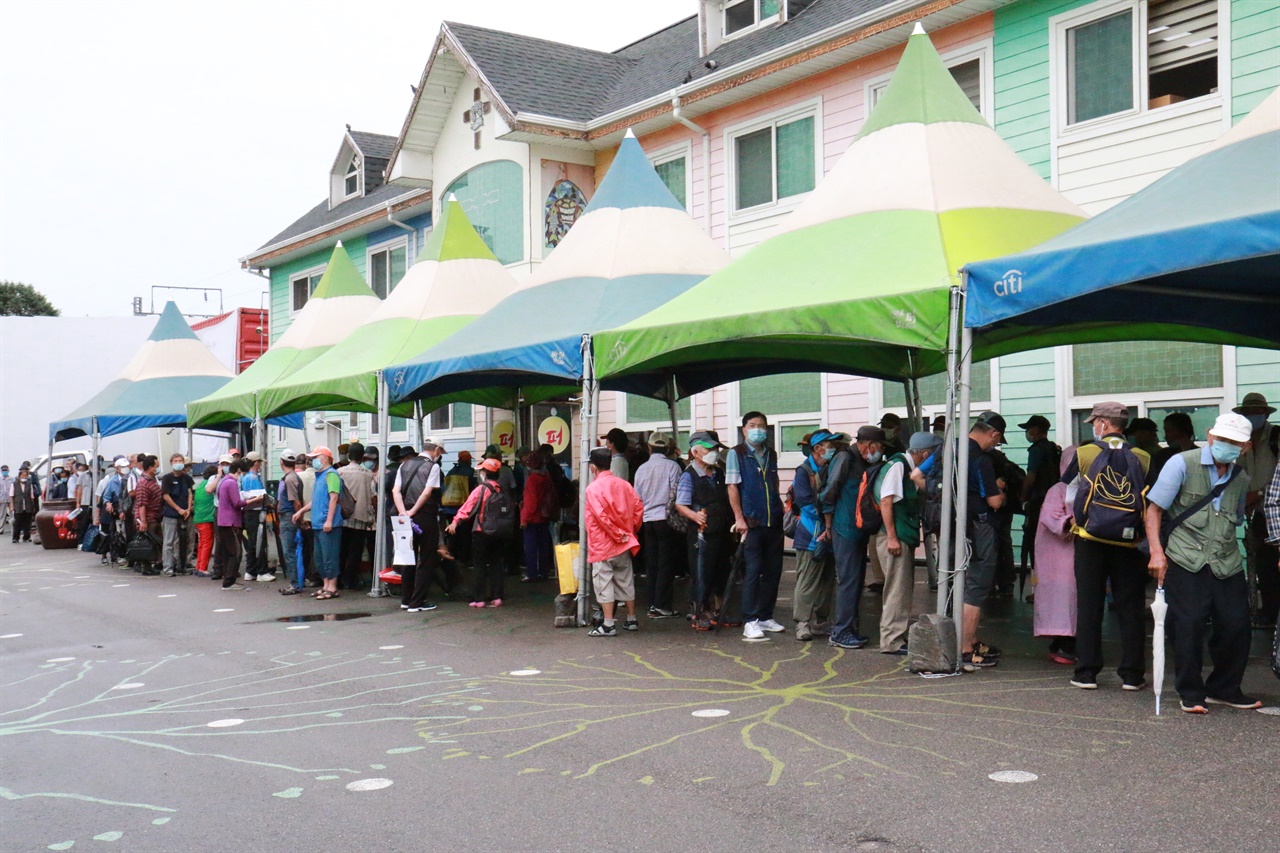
x,y
430,442
224,459
464,455
320,450
659,439
1232,425
820,435
1109,409
490,465
1140,424
253,456
235,451
1035,421
288,455
992,419
870,433
924,440
703,438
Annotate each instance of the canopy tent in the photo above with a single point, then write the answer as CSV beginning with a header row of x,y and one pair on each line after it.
x,y
856,280
455,278
1194,257
172,367
634,248
340,302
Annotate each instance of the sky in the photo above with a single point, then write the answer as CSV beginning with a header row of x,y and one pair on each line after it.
x,y
146,145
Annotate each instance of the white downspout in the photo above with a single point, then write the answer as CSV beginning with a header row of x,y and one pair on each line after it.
x,y
413,236
706,161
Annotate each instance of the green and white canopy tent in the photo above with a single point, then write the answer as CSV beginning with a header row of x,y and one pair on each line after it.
x,y
857,279
341,300
456,278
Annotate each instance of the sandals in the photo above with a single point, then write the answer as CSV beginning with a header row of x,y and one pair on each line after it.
x,y
325,595
290,591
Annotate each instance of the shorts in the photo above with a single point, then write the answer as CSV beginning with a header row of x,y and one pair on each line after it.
x,y
981,574
613,579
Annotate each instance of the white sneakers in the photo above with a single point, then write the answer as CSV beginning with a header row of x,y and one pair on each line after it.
x,y
267,577
771,626
752,631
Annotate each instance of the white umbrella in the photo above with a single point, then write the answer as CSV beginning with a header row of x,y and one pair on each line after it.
x,y
1158,610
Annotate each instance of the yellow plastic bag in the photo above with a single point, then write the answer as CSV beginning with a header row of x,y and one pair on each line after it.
x,y
567,567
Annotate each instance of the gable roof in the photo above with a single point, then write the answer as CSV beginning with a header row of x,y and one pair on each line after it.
x,y
322,215
377,145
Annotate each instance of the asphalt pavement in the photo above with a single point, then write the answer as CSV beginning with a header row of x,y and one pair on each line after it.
x,y
165,714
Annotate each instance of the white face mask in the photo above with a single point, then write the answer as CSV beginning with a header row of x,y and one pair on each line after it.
x,y
711,457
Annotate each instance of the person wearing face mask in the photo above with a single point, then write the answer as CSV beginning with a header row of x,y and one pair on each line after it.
x,y
1200,564
985,498
839,499
326,522
416,495
751,473
57,490
80,490
255,556
703,498
898,539
176,489
357,531
1262,559
26,502
892,426
815,567
1103,560
6,497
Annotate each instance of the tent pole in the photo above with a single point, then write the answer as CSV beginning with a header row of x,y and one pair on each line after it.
x,y
911,411
914,397
962,468
93,471
948,459
417,420
584,471
519,420
376,588
672,401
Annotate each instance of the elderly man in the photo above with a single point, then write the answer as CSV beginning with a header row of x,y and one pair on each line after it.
x,y
751,473
357,531
655,483
614,514
1259,464
255,558
985,496
815,568
839,500
326,521
175,513
416,495
1204,492
897,541
81,491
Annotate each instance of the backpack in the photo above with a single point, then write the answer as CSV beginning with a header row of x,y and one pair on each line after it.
x,y
931,501
456,489
676,519
497,515
866,514
346,500
1112,498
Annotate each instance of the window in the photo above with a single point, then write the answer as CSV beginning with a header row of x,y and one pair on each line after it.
x,y
492,194
791,401
742,15
386,267
1108,66
351,184
1202,417
933,389
774,162
301,286
646,410
1123,367
673,173
970,67
399,425
450,417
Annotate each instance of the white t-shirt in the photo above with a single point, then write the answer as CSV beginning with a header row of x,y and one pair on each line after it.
x,y
891,485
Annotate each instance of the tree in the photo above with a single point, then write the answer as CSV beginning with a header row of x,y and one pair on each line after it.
x,y
23,300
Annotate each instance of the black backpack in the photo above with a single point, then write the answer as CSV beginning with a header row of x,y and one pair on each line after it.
x,y
1112,499
497,515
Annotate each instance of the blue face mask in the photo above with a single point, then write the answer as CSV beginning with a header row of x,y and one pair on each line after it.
x,y
178,466
757,436
1224,453
873,458
317,464
368,466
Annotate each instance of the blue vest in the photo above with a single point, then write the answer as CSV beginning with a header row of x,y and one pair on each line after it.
x,y
758,490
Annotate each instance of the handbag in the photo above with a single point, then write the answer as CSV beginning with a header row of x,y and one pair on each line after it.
x,y
142,548
1168,524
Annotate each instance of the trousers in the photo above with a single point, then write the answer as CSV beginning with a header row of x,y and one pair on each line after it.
x,y
229,544
416,580
763,555
539,562
658,545
815,585
851,565
1097,563
486,556
1194,599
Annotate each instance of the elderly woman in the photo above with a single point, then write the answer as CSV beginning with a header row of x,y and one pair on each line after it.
x,y
1055,602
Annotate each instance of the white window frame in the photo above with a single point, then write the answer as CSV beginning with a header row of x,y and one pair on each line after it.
x,y
725,5
452,430
393,243
354,164
676,152
980,50
788,457
628,425
803,109
307,274
1142,112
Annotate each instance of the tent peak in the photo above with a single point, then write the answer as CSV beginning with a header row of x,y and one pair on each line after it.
x,y
918,29
631,182
339,246
630,134
172,325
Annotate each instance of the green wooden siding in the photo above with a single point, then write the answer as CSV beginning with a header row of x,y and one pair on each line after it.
x,y
1258,370
1255,53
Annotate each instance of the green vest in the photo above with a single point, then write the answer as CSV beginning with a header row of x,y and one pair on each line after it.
x,y
1209,536
906,512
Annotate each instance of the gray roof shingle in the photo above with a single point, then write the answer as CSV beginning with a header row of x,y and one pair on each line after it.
x,y
374,144
549,78
321,215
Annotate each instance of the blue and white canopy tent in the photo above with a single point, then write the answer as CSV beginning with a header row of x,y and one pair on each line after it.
x,y
1193,257
634,248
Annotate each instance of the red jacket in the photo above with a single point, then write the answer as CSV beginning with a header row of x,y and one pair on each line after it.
x,y
614,514
539,492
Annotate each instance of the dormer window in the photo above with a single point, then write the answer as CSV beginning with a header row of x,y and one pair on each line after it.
x,y
743,15
351,184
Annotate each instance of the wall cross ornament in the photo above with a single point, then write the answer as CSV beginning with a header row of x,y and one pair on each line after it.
x,y
475,116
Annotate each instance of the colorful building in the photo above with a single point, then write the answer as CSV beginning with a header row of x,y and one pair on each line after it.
x,y
743,107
